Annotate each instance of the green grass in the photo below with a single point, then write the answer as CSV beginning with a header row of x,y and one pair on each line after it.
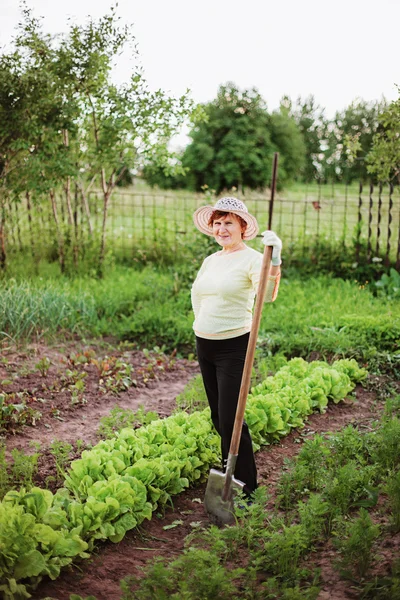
x,y
152,308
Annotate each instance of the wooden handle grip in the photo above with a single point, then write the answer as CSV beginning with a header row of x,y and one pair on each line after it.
x,y
251,348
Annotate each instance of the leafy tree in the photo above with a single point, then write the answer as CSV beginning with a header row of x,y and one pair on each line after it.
x,y
63,122
359,121
234,145
384,157
287,137
312,123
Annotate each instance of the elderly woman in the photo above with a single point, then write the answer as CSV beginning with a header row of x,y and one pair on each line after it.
x,y
222,298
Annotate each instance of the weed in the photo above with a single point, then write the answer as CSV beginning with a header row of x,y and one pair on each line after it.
x,y
119,418
292,485
61,452
23,469
193,396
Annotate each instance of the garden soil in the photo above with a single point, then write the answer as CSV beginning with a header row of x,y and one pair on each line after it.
x,y
158,381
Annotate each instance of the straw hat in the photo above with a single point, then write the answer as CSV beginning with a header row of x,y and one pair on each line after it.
x,y
229,205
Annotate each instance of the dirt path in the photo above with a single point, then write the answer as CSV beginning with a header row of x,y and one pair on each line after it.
x,y
100,575
158,380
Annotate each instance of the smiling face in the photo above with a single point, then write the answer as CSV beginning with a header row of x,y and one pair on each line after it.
x,y
227,231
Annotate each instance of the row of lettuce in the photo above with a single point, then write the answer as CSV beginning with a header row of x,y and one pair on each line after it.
x,y
117,484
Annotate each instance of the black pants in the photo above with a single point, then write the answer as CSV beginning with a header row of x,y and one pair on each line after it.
x,y
221,363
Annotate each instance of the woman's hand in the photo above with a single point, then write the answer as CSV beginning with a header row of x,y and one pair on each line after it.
x,y
271,239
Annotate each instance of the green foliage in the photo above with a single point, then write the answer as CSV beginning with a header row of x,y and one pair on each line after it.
x,y
20,472
234,146
43,365
359,121
64,124
120,418
61,452
152,307
312,124
287,138
114,486
384,157
384,447
15,412
355,545
195,575
389,284
193,396
393,491
255,541
384,587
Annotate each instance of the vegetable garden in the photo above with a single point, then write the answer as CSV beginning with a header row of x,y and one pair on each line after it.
x,y
107,443
105,435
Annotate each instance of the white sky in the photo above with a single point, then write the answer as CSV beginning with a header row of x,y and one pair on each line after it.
x,y
337,50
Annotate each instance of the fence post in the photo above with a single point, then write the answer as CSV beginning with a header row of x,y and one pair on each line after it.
x,y
273,187
371,202
378,226
359,223
389,232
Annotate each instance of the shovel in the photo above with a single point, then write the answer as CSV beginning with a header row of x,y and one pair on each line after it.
x,y
222,487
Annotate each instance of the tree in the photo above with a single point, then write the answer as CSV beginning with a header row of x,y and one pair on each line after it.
x,y
287,137
359,121
233,147
384,158
63,122
312,123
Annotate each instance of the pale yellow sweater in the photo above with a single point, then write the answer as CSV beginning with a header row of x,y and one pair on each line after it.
x,y
223,293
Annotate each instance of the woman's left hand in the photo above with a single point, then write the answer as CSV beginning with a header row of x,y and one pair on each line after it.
x,y
271,239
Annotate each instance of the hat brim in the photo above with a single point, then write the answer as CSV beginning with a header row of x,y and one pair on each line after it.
x,y
203,214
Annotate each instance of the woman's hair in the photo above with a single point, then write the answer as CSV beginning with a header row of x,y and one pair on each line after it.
x,y
217,214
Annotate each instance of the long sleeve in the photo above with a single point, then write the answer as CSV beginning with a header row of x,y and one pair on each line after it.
x,y
272,288
195,296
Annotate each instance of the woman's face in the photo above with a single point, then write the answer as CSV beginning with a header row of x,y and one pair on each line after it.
x,y
227,231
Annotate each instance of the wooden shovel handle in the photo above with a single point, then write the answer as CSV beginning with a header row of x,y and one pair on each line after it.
x,y
251,348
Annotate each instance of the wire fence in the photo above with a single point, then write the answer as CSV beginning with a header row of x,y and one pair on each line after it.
x,y
363,218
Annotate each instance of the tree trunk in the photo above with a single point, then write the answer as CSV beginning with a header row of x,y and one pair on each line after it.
x,y
107,191
59,232
29,209
103,234
86,207
18,226
3,255
8,211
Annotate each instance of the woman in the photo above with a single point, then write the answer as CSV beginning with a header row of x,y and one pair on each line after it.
x,y
222,299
